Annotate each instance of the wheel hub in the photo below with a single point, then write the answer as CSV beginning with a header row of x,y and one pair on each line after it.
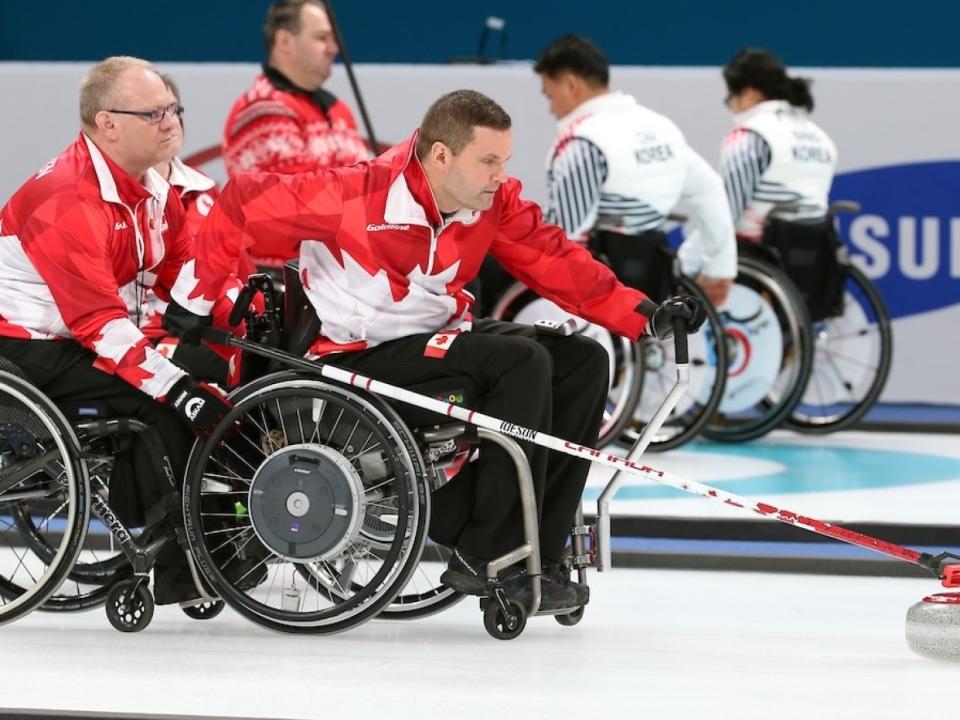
x,y
306,502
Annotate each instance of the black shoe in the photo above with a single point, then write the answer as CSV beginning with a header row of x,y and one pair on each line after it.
x,y
560,574
468,575
465,574
518,586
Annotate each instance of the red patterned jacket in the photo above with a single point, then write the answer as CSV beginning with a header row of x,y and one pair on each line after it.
x,y
277,127
81,244
377,260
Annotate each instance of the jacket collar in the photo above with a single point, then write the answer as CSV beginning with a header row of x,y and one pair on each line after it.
x,y
186,179
320,97
607,101
410,198
116,185
763,108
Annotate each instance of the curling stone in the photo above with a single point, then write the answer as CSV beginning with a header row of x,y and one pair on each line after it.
x,y
933,627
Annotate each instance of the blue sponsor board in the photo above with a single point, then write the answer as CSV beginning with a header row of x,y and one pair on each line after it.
x,y
906,236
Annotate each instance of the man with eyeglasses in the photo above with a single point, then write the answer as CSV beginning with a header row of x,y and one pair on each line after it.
x,y
82,244
287,122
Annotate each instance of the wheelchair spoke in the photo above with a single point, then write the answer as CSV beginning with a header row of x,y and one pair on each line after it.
x,y
239,457
283,425
260,564
380,484
333,430
208,533
251,443
239,532
21,563
46,521
871,329
366,448
833,356
233,476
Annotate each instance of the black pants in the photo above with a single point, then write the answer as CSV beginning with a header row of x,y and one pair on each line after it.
x,y
64,371
546,382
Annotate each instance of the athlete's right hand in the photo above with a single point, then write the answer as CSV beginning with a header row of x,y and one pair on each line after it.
x,y
199,405
686,307
184,324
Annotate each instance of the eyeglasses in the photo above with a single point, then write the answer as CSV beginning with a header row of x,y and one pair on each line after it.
x,y
155,116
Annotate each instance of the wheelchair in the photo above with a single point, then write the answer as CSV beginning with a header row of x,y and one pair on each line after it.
x,y
65,547
834,331
767,332
641,372
851,332
44,497
328,482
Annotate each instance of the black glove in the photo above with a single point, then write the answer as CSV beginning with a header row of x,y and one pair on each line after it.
x,y
199,405
187,326
689,308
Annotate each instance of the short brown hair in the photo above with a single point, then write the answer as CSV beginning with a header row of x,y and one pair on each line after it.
x,y
452,118
97,87
285,15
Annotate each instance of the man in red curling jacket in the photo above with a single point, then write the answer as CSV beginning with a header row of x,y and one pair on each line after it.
x,y
386,248
82,244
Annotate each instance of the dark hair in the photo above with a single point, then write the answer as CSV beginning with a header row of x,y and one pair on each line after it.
x,y
452,118
762,70
175,89
285,15
574,54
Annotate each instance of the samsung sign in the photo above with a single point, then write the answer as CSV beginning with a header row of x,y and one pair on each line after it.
x,y
906,237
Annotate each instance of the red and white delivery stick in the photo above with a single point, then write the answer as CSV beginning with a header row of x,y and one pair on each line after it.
x,y
944,565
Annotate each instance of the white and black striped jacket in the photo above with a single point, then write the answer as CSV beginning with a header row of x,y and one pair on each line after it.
x,y
616,165
776,156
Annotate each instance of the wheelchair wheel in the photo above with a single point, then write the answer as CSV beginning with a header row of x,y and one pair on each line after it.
x,y
521,305
43,483
851,360
99,565
129,606
307,507
770,353
204,611
708,367
503,626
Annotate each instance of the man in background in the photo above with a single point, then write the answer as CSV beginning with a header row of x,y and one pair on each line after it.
x,y
287,122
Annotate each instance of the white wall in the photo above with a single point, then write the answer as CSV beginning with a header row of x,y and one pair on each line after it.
x,y
878,118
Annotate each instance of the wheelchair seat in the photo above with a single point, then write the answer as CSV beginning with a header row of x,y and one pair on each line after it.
x,y
812,256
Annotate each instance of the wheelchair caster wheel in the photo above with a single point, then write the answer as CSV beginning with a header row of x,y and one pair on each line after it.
x,y
499,625
204,611
571,619
129,606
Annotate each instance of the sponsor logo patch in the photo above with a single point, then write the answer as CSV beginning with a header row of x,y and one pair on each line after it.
x,y
193,407
386,226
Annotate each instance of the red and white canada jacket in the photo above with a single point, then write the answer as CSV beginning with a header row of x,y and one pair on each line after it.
x,y
277,127
81,244
197,193
377,260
